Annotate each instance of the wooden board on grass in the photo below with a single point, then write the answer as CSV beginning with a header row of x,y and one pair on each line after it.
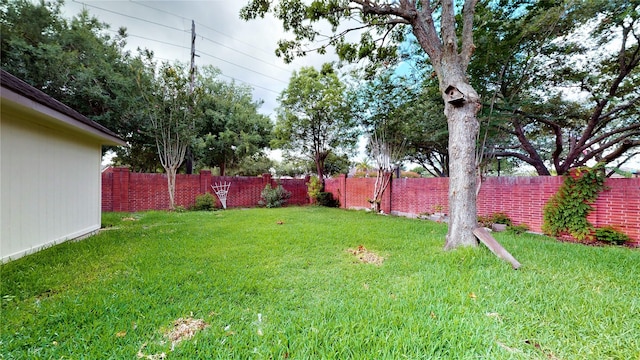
x,y
495,247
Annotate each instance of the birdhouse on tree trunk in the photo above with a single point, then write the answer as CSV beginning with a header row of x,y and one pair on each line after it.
x,y
454,96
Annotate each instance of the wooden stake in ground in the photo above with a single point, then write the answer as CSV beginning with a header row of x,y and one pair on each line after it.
x,y
495,247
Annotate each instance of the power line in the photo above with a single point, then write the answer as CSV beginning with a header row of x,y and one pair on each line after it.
x,y
204,26
185,47
215,57
242,67
250,83
154,40
131,16
245,54
217,42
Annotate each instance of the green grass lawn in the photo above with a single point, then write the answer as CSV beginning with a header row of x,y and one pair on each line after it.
x,y
292,290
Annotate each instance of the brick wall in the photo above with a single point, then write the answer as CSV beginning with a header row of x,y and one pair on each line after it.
x,y
123,190
522,198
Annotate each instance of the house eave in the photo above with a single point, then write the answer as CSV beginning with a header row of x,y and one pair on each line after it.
x,y
12,100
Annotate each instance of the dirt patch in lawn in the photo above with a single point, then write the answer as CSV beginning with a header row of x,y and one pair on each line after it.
x,y
366,256
184,329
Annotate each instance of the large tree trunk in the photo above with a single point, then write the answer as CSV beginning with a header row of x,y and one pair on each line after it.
x,y
463,129
320,169
450,65
188,162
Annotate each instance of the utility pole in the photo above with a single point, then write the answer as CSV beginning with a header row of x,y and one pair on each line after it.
x,y
192,78
192,69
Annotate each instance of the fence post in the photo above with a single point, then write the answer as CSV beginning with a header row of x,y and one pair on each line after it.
x,y
121,189
205,181
342,190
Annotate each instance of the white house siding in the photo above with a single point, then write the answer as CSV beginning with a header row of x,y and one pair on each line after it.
x,y
49,184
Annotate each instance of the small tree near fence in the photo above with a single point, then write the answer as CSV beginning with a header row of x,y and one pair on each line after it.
x,y
170,108
387,156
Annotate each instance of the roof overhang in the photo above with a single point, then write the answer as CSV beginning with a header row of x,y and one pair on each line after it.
x,y
21,98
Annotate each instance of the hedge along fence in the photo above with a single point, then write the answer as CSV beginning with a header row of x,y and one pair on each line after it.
x,y
521,198
127,191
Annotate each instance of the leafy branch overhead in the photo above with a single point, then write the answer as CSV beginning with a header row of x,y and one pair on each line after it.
x,y
379,24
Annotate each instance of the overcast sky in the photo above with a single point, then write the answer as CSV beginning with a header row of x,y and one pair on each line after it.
x,y
242,50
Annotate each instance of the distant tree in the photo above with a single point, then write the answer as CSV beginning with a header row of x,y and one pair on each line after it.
x,y
293,166
425,126
233,133
172,115
420,171
336,164
389,101
314,117
363,167
296,165
254,165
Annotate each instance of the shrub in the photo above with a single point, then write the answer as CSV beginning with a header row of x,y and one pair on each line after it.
x,y
518,229
274,197
484,221
314,186
326,199
501,218
205,202
497,218
610,235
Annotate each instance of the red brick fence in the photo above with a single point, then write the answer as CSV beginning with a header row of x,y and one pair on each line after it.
x,y
522,198
123,190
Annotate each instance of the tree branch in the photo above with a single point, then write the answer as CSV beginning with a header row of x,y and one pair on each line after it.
x,y
609,134
468,47
424,29
534,157
448,27
624,147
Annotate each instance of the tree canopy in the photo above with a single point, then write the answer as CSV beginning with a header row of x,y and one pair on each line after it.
x,y
74,61
387,103
314,119
232,133
561,82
